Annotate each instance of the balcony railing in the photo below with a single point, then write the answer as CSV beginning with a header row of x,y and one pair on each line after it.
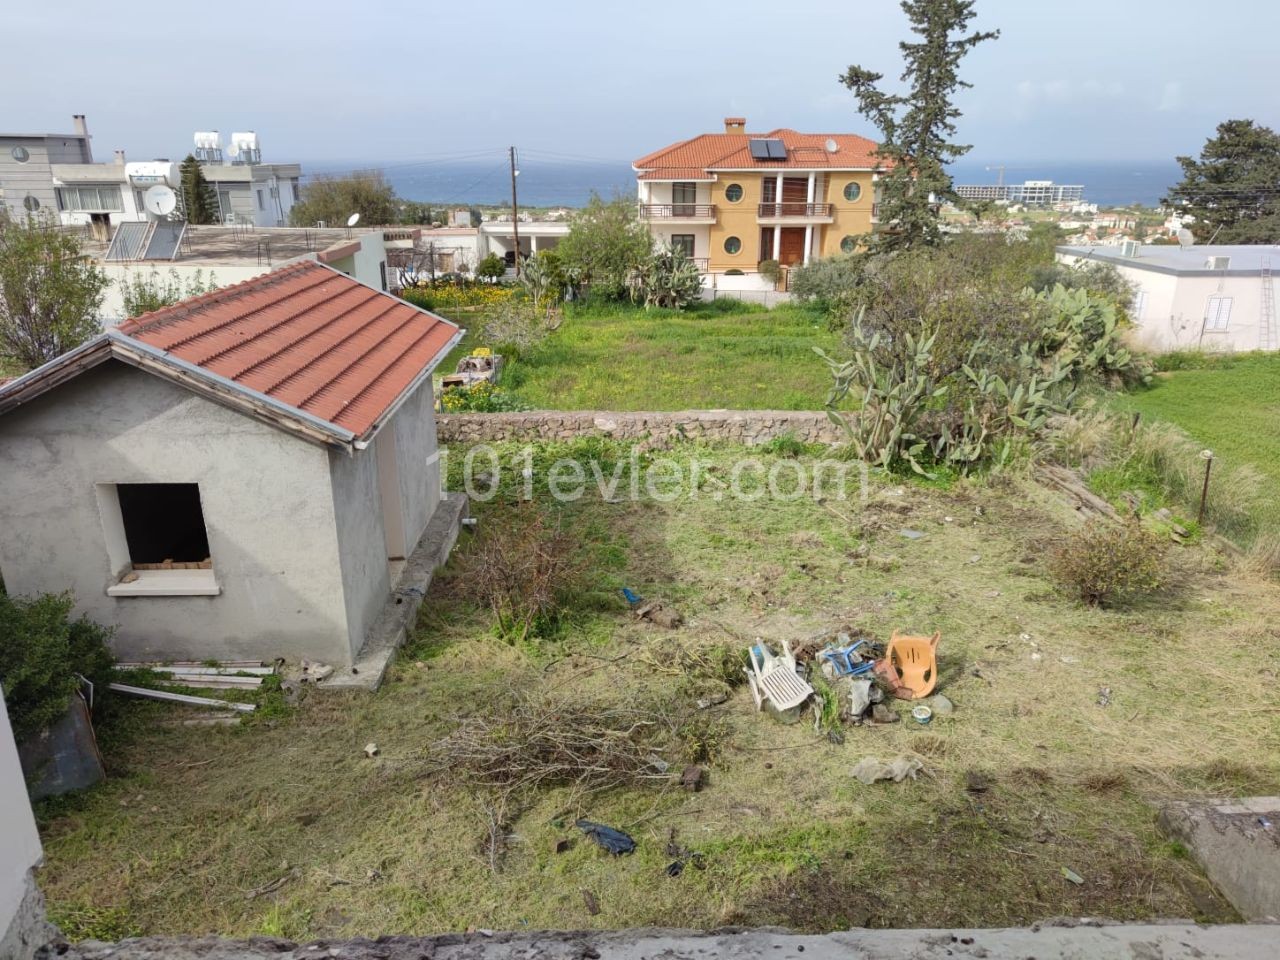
x,y
677,211
775,211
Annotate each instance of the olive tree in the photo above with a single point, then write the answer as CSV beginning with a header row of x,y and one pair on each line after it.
x,y
50,292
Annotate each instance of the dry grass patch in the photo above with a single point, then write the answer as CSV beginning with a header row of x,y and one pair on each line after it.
x,y
194,821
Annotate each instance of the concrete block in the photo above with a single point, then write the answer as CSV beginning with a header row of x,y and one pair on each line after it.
x,y
1238,844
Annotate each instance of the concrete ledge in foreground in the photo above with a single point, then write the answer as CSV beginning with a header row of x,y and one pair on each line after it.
x,y
1075,940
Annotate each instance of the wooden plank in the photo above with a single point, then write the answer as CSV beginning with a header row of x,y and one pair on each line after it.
x,y
214,681
218,683
150,694
211,671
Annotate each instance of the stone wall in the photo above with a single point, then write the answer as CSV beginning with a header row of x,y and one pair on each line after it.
x,y
737,426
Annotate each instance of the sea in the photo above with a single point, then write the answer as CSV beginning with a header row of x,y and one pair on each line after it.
x,y
548,183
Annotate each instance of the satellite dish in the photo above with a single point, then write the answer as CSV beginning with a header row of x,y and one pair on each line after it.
x,y
1186,238
353,220
160,200
832,146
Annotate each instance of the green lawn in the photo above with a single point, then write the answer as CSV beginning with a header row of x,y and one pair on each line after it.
x,y
711,356
1230,404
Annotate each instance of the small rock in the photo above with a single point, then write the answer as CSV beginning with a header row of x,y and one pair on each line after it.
x,y
592,904
564,845
675,868
692,778
1036,656
992,594
942,707
911,534
1104,697
370,749
975,557
882,714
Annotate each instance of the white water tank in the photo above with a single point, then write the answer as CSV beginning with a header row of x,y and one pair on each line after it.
x,y
147,173
207,140
244,147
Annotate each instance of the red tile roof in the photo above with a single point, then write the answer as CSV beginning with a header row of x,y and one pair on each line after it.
x,y
709,152
306,336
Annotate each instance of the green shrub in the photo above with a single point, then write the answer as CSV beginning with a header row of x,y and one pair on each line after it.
x,y
1104,564
1082,332
41,652
481,397
771,270
491,268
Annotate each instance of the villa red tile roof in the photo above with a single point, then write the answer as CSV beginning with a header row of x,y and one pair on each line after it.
x,y
709,152
308,337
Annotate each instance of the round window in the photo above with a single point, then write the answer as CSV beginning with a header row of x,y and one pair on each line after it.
x,y
31,202
732,245
20,154
852,191
733,192
848,244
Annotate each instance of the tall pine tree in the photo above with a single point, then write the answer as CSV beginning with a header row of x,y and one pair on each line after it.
x,y
915,126
1233,189
197,195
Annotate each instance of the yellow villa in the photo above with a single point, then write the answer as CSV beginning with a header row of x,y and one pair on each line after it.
x,y
735,199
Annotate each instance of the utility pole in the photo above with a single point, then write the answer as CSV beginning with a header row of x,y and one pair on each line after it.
x,y
515,209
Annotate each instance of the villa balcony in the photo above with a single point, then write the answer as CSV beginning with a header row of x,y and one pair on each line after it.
x,y
794,212
679,212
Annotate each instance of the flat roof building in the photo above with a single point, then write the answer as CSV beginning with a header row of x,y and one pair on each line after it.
x,y
1213,297
1039,193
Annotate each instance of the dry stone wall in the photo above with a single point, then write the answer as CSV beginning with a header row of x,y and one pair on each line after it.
x,y
737,426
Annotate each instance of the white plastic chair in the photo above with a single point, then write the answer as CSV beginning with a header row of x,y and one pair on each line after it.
x,y
774,679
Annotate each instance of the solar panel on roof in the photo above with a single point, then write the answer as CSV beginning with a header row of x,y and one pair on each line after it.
x,y
777,150
759,149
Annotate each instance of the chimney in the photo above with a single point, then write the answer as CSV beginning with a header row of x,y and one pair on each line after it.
x,y
120,157
82,129
735,124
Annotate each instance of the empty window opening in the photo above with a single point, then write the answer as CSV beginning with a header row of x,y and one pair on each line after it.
x,y
164,525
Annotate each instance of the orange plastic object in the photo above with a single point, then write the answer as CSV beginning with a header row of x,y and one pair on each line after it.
x,y
915,661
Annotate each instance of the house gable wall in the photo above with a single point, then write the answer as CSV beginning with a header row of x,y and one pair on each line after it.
x,y
266,498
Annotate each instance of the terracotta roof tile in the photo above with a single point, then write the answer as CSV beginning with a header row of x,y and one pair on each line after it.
x,y
709,152
307,336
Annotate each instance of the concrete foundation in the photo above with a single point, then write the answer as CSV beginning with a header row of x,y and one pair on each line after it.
x,y
1238,844
28,930
401,608
1078,941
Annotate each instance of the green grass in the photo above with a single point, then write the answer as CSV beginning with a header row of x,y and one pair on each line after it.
x,y
718,355
1229,404
192,821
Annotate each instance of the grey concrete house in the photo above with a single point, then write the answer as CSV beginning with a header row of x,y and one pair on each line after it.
x,y
238,476
26,165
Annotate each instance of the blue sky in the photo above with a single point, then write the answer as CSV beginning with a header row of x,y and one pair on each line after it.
x,y
387,81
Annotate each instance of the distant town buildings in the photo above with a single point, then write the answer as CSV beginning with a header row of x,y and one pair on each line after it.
x,y
1034,193
1194,297
55,174
735,199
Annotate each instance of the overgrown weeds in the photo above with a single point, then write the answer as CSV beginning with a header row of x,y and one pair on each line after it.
x,y
1105,564
1159,459
526,568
